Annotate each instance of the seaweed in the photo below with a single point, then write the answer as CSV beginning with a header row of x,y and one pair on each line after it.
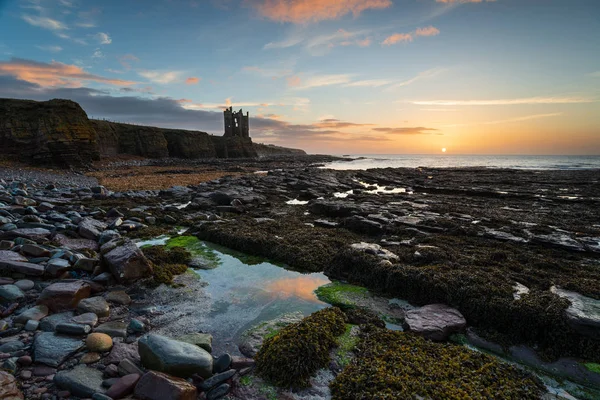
x,y
338,293
167,263
398,365
297,351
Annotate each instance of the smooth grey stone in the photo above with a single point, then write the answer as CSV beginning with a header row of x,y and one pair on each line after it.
x,y
25,284
97,305
73,329
90,319
11,347
34,313
173,357
127,367
81,381
218,392
52,349
32,325
109,382
49,323
10,293
113,329
217,379
222,363
100,396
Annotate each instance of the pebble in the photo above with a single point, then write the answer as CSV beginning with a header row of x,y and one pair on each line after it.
x,y
25,284
99,342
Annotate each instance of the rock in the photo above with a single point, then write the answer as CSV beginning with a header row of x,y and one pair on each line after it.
x,y
86,264
90,319
52,349
435,321
107,236
38,235
113,328
127,262
64,295
174,357
217,379
96,305
90,228
20,267
90,358
218,392
73,329
240,363
222,363
34,313
34,250
98,342
375,249
26,374
119,297
24,284
583,314
121,350
25,361
8,387
57,266
42,370
12,346
75,244
32,325
6,255
100,396
123,386
81,381
158,386
203,340
49,323
127,367
10,294
136,326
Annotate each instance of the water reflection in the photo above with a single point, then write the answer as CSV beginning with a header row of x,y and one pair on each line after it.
x,y
302,287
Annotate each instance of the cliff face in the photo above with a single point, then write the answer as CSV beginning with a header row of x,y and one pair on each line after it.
x,y
264,150
58,132
55,132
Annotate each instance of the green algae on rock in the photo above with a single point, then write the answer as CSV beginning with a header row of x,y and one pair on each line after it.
x,y
167,263
397,365
293,355
339,294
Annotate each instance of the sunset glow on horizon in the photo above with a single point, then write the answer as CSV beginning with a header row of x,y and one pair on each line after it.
x,y
327,76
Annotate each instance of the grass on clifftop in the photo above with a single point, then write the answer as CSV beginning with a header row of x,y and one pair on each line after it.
x,y
397,365
298,351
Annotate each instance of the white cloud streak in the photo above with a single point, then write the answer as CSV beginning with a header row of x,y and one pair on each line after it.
x,y
506,102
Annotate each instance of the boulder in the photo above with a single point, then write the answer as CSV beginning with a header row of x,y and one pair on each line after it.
x,y
158,386
127,262
217,379
177,358
583,314
8,387
124,386
90,228
434,321
96,305
52,349
49,323
35,313
81,381
64,295
90,319
118,297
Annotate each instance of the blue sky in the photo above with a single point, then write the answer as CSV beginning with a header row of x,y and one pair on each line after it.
x,y
336,76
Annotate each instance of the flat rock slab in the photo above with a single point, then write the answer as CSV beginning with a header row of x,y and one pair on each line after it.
x,y
52,349
10,294
96,305
81,381
49,323
203,340
36,234
15,262
90,228
435,321
35,313
157,386
121,351
75,244
7,255
113,329
64,295
584,312
177,358
127,262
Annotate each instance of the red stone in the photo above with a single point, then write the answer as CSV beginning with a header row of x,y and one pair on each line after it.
x,y
62,296
158,386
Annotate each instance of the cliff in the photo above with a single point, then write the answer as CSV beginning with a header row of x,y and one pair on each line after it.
x,y
55,132
58,132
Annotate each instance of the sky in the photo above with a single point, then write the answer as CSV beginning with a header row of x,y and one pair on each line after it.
x,y
327,76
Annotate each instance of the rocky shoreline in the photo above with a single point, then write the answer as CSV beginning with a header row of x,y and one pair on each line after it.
x,y
505,260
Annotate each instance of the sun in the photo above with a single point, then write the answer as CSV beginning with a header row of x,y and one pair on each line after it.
x,y
443,150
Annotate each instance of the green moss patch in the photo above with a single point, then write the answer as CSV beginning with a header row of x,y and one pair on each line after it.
x,y
167,263
397,365
201,253
346,345
340,294
593,367
293,355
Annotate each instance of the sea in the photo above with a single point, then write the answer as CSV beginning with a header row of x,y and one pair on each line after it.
x,y
367,161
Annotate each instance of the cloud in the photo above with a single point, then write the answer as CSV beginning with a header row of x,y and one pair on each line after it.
x,y
53,73
44,22
192,80
427,31
321,44
406,131
162,77
103,38
506,102
51,49
369,83
430,73
506,121
397,37
126,60
323,80
307,11
293,81
364,43
98,54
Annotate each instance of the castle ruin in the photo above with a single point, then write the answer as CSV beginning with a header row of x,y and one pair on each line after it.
x,y
236,123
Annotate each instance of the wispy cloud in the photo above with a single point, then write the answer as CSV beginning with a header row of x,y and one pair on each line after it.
x,y
51,49
44,22
53,74
406,131
430,73
427,31
410,36
321,44
506,121
307,11
506,102
162,77
103,38
323,80
369,83
192,80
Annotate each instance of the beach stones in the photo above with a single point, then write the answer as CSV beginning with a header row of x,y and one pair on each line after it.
x,y
34,313
24,284
90,228
177,358
52,349
435,321
64,295
127,262
90,358
98,342
203,340
73,329
81,381
113,328
33,250
118,297
90,319
8,387
49,323
222,363
124,386
96,305
10,294
158,386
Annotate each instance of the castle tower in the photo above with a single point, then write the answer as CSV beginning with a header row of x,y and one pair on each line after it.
x,y
236,123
